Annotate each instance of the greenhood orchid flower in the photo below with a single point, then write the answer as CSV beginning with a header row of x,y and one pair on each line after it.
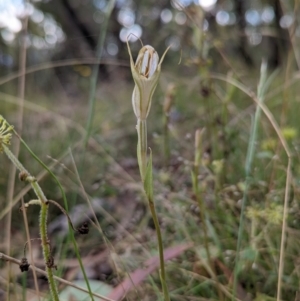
x,y
145,72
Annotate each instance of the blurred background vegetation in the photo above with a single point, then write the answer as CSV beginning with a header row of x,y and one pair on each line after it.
x,y
209,81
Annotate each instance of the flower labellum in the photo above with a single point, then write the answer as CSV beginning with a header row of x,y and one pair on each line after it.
x,y
147,61
145,72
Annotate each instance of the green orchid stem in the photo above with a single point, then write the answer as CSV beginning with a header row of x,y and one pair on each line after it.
x,y
160,249
142,147
42,221
142,161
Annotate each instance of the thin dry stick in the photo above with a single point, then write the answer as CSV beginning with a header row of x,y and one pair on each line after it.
x,y
32,267
283,231
19,123
65,213
30,250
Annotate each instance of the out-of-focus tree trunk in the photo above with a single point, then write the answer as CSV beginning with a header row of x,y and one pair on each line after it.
x,y
80,26
242,40
86,34
279,43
